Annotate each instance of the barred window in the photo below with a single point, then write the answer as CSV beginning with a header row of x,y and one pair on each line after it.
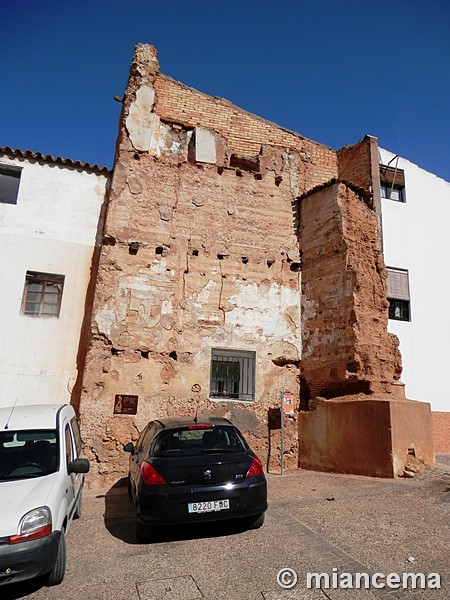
x,y
42,294
232,375
398,294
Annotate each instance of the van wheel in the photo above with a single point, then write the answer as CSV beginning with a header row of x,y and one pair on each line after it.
x,y
143,532
56,576
79,506
256,521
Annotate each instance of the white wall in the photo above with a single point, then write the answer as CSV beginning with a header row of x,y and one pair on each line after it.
x,y
51,229
416,236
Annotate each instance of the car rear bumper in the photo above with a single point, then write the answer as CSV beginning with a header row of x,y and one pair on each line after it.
x,y
26,560
165,506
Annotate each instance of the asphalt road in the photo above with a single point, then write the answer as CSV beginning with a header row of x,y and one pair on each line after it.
x,y
316,522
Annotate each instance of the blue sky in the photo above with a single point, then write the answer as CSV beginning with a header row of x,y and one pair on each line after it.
x,y
331,70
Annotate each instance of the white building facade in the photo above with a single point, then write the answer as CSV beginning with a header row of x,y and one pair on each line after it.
x,y
50,225
416,242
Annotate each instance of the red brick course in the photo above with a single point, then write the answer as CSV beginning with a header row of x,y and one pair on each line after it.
x,y
244,132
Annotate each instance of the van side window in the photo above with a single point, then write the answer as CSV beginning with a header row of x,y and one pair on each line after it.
x,y
76,435
69,446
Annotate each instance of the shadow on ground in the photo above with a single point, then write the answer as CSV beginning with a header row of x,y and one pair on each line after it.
x,y
120,521
21,590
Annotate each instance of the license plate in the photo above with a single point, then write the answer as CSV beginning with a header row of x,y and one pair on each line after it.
x,y
208,506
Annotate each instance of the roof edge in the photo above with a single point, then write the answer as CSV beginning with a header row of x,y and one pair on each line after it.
x,y
48,158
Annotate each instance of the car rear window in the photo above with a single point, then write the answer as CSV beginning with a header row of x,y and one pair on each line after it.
x,y
191,442
30,453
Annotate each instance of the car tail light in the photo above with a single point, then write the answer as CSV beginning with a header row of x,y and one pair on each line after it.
x,y
150,475
255,468
199,426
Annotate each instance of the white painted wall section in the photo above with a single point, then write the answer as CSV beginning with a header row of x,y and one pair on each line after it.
x,y
52,229
416,237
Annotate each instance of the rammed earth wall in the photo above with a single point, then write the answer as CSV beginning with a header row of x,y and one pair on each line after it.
x,y
201,251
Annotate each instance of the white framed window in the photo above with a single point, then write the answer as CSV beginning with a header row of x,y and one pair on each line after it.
x,y
42,294
398,294
232,375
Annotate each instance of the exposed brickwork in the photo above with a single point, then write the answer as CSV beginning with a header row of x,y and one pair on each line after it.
x,y
215,264
359,164
353,162
201,251
244,132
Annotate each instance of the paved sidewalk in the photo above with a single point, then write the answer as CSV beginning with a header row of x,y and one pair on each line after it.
x,y
317,522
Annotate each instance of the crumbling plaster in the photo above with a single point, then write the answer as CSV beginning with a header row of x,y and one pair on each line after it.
x,y
346,346
198,254
202,250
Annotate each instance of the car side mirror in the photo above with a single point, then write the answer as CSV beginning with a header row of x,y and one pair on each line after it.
x,y
129,448
79,465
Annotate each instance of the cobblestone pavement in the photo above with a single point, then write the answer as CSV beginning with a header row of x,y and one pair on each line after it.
x,y
316,523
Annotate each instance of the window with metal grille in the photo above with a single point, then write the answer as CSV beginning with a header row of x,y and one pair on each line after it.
x,y
9,184
232,375
398,294
392,183
42,294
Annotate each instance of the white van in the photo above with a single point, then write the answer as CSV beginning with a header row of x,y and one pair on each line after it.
x,y
41,482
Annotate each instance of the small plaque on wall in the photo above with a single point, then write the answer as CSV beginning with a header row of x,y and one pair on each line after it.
x,y
125,405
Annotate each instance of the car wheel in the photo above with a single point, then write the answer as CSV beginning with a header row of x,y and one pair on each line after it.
x,y
56,576
79,506
143,532
255,521
129,486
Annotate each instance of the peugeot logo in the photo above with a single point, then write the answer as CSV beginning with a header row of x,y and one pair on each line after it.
x,y
207,474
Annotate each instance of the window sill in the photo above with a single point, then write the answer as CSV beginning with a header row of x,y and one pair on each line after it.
x,y
241,400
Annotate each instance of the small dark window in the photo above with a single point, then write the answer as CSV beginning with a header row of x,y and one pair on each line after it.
x,y
398,309
42,294
398,294
392,192
232,374
9,184
392,183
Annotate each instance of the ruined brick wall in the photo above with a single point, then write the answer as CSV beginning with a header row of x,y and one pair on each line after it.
x,y
346,347
245,133
200,252
354,163
359,165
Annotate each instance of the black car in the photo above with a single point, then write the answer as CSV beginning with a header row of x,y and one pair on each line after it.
x,y
189,470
